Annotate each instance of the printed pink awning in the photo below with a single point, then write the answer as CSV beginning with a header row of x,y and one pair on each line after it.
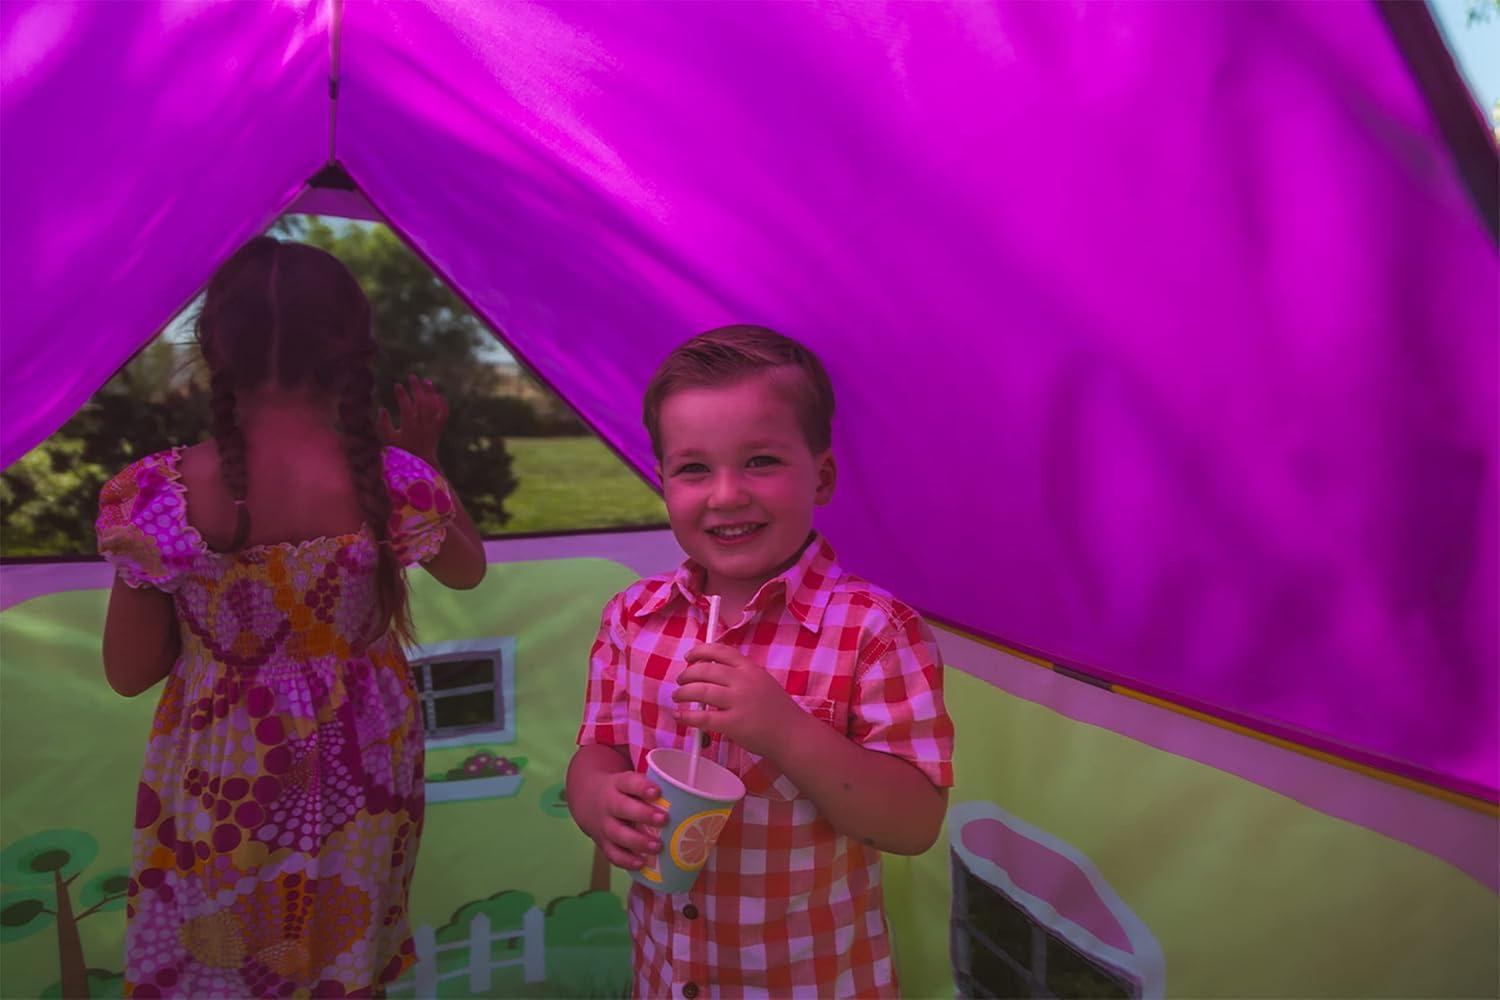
x,y
1165,334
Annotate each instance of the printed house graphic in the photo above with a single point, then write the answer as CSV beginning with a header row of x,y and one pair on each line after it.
x,y
1032,916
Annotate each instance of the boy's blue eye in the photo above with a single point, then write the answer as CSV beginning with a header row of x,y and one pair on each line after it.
x,y
761,461
691,469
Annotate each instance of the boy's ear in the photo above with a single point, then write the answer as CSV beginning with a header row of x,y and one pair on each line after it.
x,y
828,474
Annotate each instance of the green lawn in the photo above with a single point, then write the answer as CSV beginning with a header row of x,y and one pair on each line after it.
x,y
567,483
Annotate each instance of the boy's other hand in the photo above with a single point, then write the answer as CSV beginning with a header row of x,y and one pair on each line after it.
x,y
741,699
628,825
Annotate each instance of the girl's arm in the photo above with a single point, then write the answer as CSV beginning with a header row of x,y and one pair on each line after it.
x,y
461,562
141,641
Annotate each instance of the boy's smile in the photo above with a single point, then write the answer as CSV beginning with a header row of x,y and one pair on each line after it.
x,y
735,534
740,481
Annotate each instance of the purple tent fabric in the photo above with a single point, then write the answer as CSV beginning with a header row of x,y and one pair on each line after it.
x,y
143,142
1164,334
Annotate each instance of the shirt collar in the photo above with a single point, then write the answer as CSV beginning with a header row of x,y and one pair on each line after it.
x,y
805,586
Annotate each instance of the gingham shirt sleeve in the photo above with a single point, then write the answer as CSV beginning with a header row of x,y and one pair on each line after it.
x,y
897,704
604,704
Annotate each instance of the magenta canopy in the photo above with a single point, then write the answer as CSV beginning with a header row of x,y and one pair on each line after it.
x,y
1164,334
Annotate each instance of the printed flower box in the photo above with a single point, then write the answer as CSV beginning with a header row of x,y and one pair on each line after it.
x,y
483,775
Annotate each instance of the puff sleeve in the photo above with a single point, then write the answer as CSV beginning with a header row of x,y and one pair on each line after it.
x,y
142,528
421,507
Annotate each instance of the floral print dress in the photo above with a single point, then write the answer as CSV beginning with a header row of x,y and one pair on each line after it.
x,y
280,804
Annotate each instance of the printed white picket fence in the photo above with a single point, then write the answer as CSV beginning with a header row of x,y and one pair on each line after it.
x,y
425,978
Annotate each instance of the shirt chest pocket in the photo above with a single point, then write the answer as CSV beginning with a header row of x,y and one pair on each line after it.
x,y
761,775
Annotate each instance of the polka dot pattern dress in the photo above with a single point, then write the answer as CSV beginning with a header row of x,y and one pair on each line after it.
x,y
280,805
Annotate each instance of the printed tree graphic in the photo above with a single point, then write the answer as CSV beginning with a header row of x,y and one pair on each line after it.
x,y
43,868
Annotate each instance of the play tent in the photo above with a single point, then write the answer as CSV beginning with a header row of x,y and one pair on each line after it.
x,y
1165,343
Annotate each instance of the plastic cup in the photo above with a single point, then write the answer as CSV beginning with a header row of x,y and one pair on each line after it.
x,y
695,816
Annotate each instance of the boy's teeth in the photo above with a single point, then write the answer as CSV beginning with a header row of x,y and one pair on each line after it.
x,y
733,532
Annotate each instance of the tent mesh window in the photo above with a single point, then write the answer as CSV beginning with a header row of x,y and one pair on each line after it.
x,y
998,950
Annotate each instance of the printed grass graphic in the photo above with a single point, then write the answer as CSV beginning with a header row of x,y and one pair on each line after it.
x,y
587,946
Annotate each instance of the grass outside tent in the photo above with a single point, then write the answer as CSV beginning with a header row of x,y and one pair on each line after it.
x,y
569,483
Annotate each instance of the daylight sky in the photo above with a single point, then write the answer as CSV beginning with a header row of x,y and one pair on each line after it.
x,y
1476,47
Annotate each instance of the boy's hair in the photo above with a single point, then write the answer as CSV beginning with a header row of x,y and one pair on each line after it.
x,y
729,354
292,315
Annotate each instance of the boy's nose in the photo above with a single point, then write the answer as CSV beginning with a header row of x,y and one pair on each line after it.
x,y
727,491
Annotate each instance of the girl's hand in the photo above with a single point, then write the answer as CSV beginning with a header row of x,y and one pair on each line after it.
x,y
424,411
741,699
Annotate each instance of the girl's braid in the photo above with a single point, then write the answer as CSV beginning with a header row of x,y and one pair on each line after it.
x,y
232,454
366,464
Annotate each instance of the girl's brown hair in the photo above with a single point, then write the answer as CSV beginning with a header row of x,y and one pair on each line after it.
x,y
291,315
728,354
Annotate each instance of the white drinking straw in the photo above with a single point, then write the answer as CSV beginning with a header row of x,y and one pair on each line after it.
x,y
694,736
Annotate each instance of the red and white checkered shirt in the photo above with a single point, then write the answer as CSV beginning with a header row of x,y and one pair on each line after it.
x,y
786,905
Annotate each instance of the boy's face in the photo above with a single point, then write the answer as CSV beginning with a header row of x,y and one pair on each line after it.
x,y
740,481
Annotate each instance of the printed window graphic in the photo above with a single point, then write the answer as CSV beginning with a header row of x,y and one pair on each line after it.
x,y
1033,917
467,690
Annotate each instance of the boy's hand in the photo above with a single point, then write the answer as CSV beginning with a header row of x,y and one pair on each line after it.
x,y
627,826
424,411
743,701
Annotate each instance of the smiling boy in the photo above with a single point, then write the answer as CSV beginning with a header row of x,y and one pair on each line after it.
x,y
823,693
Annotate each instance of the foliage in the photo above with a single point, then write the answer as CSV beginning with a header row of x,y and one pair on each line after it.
x,y
554,801
587,946
33,860
426,328
505,910
519,458
160,398
23,912
422,325
50,496
44,866
594,973
106,891
582,919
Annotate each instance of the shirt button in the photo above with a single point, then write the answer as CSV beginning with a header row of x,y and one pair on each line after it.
x,y
690,911
690,990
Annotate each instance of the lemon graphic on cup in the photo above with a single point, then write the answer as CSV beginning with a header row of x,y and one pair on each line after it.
x,y
698,808
694,838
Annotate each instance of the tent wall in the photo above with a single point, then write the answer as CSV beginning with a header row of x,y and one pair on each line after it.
x,y
1164,333
1138,302
143,143
1225,866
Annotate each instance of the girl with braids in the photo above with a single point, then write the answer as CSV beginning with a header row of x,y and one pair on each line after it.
x,y
261,573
